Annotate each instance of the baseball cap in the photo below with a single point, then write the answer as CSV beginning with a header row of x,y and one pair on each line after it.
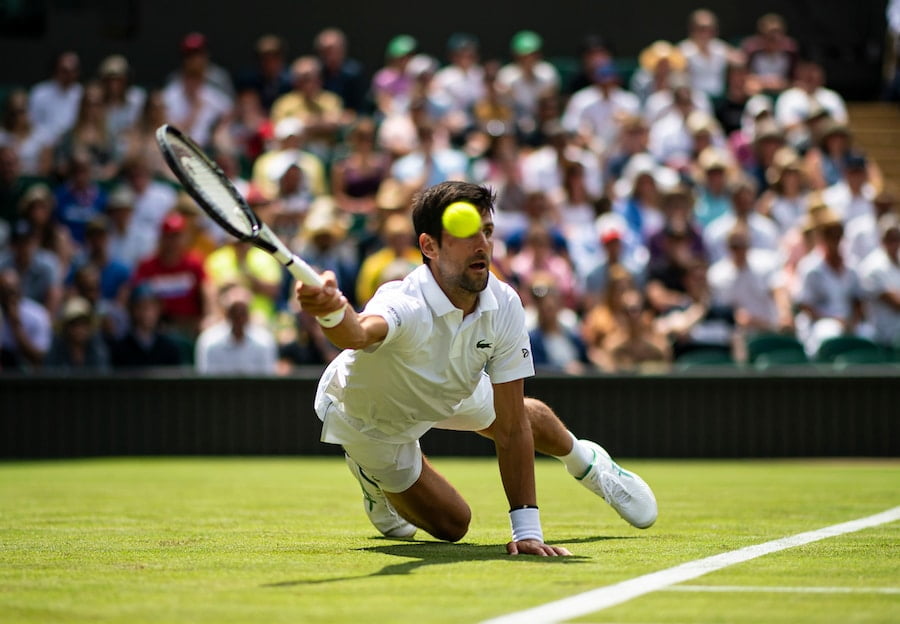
x,y
461,41
401,45
174,222
115,65
76,308
526,42
193,42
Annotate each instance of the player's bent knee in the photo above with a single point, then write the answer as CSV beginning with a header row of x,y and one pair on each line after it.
x,y
452,529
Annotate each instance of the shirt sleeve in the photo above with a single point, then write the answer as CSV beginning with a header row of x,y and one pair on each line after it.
x,y
512,357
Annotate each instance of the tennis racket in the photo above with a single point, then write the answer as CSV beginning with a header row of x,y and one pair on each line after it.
x,y
205,181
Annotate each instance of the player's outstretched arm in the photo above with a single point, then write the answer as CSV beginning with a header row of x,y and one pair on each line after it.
x,y
514,442
352,331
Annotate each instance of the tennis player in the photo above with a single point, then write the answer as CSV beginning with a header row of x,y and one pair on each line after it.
x,y
447,348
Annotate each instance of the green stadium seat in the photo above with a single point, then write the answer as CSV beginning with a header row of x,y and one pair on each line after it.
x,y
704,357
767,343
780,357
838,345
853,357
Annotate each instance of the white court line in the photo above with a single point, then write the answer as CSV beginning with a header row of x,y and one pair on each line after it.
x,y
611,595
764,589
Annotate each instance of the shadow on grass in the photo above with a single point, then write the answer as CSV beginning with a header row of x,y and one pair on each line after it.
x,y
419,553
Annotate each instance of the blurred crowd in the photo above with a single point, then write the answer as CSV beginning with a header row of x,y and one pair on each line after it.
x,y
711,192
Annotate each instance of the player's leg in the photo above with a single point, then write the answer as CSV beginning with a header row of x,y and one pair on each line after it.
x,y
402,491
591,465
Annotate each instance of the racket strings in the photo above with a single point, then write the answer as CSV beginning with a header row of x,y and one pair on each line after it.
x,y
208,182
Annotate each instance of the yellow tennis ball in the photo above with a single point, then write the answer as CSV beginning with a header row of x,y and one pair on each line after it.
x,y
461,219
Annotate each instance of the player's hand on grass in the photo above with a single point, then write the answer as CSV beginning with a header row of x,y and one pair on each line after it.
x,y
535,547
320,301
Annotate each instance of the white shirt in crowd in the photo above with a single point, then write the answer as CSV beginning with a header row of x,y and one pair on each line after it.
x,y
218,352
749,288
878,274
52,108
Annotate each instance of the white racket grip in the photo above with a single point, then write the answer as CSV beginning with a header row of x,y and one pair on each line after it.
x,y
304,273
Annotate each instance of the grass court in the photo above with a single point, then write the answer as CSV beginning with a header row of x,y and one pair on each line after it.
x,y
271,540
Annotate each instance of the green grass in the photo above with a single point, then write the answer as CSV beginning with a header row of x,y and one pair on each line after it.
x,y
220,540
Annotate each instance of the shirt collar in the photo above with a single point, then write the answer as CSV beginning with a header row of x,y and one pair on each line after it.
x,y
437,300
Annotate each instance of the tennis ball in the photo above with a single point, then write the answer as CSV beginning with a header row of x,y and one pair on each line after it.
x,y
461,219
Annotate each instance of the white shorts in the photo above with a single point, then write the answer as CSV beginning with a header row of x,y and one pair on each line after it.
x,y
397,466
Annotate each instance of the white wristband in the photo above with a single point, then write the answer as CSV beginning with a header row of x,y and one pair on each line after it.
x,y
526,524
332,318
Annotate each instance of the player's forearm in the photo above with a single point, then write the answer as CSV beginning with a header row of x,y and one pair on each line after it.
x,y
516,461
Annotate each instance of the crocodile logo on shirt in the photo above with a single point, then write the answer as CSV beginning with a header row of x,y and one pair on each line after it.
x,y
483,344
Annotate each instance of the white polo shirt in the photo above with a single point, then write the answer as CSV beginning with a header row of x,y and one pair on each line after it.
x,y
431,360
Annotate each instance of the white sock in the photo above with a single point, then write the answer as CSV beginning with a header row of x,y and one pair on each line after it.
x,y
579,458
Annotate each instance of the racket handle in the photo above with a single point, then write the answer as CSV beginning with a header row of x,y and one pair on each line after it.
x,y
304,273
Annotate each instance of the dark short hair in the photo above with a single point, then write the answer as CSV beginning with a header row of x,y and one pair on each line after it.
x,y
428,205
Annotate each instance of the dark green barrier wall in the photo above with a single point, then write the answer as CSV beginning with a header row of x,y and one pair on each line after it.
x,y
685,415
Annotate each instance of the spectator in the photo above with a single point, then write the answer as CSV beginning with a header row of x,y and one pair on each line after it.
x,y
123,101
853,195
825,159
657,63
290,148
429,163
771,53
609,229
706,55
33,145
38,208
543,169
740,87
321,112
666,288
767,139
677,205
140,142
763,232
177,278
633,139
113,275
302,343
554,346
862,234
53,103
91,135
593,113
787,195
79,198
196,61
323,243
269,78
673,135
714,170
145,344
880,281
749,281
398,256
528,77
342,74
807,95
26,330
152,199
592,52
494,113
829,293
241,263
108,313
635,343
199,96
699,322
391,85
40,274
77,345
236,345
637,199
459,84
605,312
357,174
539,255
13,185
127,243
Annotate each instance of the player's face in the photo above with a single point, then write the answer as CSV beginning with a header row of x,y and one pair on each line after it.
x,y
464,263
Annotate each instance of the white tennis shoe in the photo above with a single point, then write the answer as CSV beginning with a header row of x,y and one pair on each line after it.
x,y
379,509
626,492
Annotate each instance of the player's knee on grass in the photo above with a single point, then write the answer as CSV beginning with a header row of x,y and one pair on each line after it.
x,y
452,529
